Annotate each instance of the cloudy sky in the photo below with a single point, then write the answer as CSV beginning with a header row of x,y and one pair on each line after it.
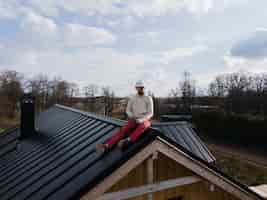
x,y
116,42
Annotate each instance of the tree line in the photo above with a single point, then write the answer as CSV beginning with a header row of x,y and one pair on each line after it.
x,y
47,91
239,116
238,92
242,92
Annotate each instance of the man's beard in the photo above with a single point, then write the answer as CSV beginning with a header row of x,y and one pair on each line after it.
x,y
141,92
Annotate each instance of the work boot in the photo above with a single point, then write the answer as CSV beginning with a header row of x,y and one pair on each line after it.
x,y
101,148
124,143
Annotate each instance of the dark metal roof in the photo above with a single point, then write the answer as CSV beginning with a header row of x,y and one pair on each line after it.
x,y
60,160
8,141
176,117
183,134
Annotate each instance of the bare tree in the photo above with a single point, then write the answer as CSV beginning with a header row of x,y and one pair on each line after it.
x,y
259,82
236,84
156,105
61,91
73,90
174,92
109,100
188,90
39,87
10,90
242,92
90,92
217,88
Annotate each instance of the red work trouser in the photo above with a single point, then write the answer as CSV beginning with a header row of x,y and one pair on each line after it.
x,y
133,129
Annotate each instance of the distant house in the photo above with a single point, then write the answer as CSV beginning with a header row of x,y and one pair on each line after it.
x,y
204,108
58,161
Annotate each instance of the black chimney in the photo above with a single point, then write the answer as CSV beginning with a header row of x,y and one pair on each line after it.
x,y
27,115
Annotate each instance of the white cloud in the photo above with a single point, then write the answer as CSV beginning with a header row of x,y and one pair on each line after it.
x,y
37,30
249,54
254,47
234,64
147,35
47,7
38,24
261,29
127,7
9,9
102,66
172,55
164,7
76,35
91,7
67,38
157,79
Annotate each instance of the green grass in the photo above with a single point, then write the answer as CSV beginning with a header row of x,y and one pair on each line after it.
x,y
241,171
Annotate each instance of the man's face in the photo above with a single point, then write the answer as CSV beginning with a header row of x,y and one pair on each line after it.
x,y
140,90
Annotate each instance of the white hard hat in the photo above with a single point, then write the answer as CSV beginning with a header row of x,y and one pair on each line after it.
x,y
139,84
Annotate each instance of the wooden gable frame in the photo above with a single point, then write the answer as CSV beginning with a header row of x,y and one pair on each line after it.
x,y
174,153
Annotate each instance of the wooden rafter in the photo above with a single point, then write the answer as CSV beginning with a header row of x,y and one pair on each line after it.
x,y
202,170
150,188
180,157
120,173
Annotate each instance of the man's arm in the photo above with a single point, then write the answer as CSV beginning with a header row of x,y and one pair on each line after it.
x,y
150,111
129,108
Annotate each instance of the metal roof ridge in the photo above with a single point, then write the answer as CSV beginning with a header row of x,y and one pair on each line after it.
x,y
172,123
92,115
107,119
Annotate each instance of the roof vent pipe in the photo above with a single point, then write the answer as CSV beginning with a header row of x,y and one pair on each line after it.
x,y
27,123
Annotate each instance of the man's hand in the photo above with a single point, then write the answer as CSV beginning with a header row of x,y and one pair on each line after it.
x,y
139,121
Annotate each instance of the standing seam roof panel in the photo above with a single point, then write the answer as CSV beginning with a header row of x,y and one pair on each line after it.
x,y
22,154
186,137
57,169
47,169
194,146
39,148
179,133
33,162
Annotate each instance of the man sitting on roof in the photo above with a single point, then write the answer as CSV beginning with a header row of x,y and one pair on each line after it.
x,y
140,111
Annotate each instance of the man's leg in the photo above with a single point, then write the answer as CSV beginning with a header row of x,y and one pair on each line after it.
x,y
131,124
139,130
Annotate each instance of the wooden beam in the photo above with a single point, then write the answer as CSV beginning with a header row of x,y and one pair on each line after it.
x,y
150,188
155,155
202,170
180,157
119,173
150,175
